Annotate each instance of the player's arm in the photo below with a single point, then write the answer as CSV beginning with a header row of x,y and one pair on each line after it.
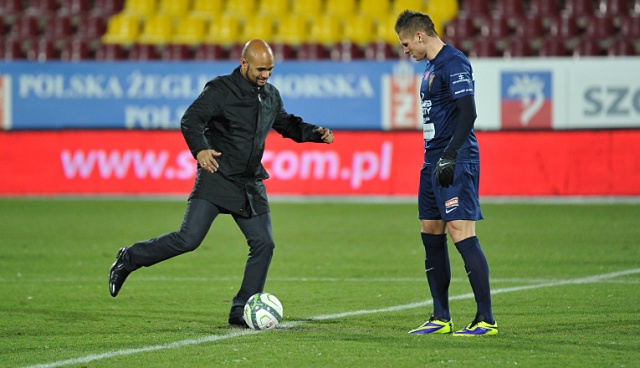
x,y
447,163
193,125
467,107
195,119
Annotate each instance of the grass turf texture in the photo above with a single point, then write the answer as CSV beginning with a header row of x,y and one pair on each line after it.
x,y
330,259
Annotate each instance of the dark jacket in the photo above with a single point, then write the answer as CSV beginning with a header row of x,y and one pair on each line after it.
x,y
233,117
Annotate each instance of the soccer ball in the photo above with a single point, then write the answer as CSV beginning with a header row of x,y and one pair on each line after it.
x,y
263,311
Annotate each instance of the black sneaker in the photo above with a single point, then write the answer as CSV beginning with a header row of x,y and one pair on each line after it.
x,y
118,273
237,322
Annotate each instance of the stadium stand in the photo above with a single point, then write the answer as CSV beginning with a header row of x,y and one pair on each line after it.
x,y
111,52
74,7
189,29
621,47
73,30
517,47
76,49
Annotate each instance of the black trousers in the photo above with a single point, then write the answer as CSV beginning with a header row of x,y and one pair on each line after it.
x,y
197,220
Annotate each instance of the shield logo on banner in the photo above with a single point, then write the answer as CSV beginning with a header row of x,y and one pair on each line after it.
x,y
5,102
400,95
526,100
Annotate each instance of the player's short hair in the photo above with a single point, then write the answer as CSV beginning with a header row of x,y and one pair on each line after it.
x,y
411,21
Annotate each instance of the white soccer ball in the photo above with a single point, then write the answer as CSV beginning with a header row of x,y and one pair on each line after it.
x,y
263,311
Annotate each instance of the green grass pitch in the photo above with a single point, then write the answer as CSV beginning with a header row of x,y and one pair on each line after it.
x,y
565,278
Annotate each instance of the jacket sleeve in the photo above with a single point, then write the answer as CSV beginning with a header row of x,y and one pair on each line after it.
x,y
194,120
293,127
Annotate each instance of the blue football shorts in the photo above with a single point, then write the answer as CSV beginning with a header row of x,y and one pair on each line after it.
x,y
458,202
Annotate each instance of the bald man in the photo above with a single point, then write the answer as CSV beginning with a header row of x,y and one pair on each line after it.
x,y
225,129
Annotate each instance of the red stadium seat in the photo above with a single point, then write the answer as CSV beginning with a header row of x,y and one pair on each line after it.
x,y
635,8
460,30
543,8
312,51
235,51
630,27
58,26
346,51
496,27
75,50
111,52
11,49
483,47
42,7
516,47
529,28
107,7
600,27
622,47
11,7
552,47
587,47
613,7
209,52
474,8
144,51
42,50
511,8
74,7
91,27
563,27
176,51
25,27
382,51
283,51
578,8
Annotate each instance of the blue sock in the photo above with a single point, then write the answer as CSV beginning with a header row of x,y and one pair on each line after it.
x,y
477,268
438,273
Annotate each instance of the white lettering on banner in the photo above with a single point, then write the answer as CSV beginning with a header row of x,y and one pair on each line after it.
x,y
283,165
170,86
136,85
47,86
612,102
117,164
325,165
323,85
152,117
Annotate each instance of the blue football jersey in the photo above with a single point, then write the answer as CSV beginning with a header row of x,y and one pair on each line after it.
x,y
447,77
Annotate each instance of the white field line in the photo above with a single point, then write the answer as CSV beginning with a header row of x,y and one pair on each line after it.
x,y
494,280
229,335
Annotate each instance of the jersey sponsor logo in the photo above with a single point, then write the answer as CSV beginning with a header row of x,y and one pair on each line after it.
x,y
526,100
400,99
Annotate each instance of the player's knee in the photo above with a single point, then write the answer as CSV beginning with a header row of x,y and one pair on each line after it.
x,y
261,244
188,243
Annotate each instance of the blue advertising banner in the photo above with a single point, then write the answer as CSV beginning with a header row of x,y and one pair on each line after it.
x,y
154,95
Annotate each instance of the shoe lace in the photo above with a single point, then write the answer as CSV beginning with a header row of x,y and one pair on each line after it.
x,y
434,318
476,321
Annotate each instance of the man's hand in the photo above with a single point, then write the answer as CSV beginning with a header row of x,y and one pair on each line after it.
x,y
444,170
207,160
327,135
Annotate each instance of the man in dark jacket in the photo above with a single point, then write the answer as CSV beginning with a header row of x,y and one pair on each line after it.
x,y
225,129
